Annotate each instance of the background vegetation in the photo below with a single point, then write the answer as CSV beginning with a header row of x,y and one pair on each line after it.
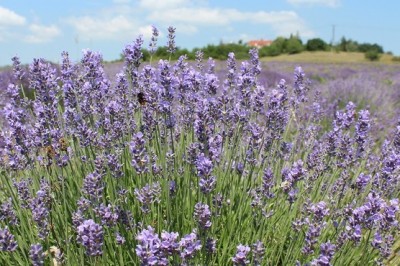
x,y
280,46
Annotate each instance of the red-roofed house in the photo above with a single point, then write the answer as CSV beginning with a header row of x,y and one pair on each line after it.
x,y
259,43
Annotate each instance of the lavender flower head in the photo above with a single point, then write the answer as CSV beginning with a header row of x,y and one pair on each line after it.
x,y
93,186
133,54
204,167
362,181
300,86
148,195
37,255
189,245
319,210
211,246
119,239
40,209
327,250
18,72
169,243
171,46
148,247
7,240
241,255
7,213
258,252
202,215
140,158
90,235
153,42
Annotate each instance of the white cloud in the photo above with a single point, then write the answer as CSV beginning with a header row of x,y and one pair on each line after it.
x,y
10,18
121,1
41,33
116,27
282,22
188,16
162,5
198,16
329,3
146,31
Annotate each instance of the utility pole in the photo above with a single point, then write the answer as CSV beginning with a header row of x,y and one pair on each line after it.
x,y
333,35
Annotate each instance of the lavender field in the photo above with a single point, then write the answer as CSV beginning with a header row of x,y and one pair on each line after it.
x,y
199,163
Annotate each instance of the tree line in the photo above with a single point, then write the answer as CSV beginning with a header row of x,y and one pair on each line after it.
x,y
280,45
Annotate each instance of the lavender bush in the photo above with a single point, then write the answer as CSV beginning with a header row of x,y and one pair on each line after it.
x,y
181,163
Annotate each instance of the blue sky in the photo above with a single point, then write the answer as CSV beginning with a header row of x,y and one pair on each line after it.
x,y
45,28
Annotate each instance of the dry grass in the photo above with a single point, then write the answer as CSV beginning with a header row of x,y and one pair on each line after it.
x,y
329,57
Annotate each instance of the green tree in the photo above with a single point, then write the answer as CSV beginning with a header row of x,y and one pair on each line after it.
x,y
316,44
280,44
272,50
372,55
294,46
365,47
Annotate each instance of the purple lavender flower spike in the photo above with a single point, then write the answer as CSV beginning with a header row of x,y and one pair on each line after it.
x,y
199,59
37,255
255,63
211,246
90,235
153,42
377,240
133,54
319,210
148,195
204,167
300,85
40,209
189,245
230,80
119,239
312,234
241,255
169,243
362,181
327,251
268,183
362,128
7,213
258,252
7,240
18,72
108,214
93,186
148,247
172,188
389,215
202,215
171,46
140,158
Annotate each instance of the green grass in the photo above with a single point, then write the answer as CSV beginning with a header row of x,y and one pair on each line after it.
x,y
328,57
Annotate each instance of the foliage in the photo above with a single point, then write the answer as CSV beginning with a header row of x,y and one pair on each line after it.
x,y
221,51
280,45
396,58
348,45
372,55
316,44
293,46
272,50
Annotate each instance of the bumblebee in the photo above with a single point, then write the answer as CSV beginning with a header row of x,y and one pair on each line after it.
x,y
50,152
141,98
63,144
